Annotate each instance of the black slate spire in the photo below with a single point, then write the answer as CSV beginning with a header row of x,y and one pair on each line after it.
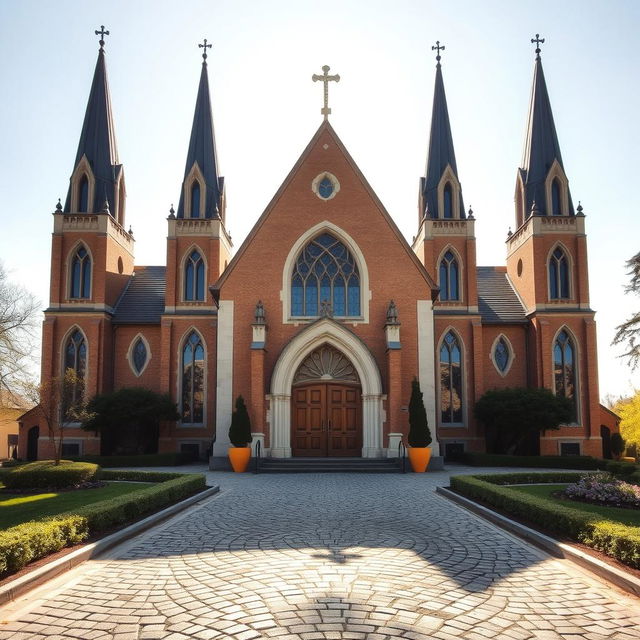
x,y
541,145
98,140
441,151
202,149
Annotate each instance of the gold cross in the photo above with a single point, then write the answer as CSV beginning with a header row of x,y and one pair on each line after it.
x,y
326,78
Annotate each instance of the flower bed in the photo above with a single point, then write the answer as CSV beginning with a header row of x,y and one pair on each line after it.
x,y
603,488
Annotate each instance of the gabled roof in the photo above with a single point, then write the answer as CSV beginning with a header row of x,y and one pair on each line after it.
x,y
202,150
441,151
142,301
498,302
541,146
325,126
98,139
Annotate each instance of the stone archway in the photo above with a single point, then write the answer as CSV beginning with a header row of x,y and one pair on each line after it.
x,y
325,331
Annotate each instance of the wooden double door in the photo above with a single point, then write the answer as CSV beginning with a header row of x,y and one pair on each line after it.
x,y
326,421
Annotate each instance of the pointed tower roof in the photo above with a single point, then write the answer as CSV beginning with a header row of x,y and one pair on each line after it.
x,y
541,147
202,148
441,151
98,139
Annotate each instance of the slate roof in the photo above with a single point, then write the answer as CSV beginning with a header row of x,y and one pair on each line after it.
x,y
202,149
142,301
541,146
497,300
98,139
441,151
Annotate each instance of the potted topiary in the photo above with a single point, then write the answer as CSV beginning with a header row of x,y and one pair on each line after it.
x,y
419,434
240,437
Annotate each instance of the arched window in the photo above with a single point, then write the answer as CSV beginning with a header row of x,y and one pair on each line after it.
x,y
564,368
556,206
449,282
558,275
83,194
80,274
195,199
75,359
325,188
451,380
325,279
193,372
139,355
448,201
194,277
501,355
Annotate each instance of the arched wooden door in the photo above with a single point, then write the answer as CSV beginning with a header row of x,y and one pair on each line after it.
x,y
326,421
326,407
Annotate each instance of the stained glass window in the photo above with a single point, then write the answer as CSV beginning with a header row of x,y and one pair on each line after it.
x,y
450,380
81,274
325,272
139,355
449,285
194,277
564,368
193,372
195,200
501,355
558,275
75,358
448,201
325,188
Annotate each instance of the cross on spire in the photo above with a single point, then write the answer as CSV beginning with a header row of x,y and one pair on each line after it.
x,y
102,33
205,46
438,48
538,41
326,78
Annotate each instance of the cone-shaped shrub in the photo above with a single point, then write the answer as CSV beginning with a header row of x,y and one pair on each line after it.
x,y
419,433
240,429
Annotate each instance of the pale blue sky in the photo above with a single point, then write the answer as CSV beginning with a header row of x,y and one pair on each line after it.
x,y
266,109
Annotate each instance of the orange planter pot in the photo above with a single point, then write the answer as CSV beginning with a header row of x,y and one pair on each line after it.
x,y
419,458
239,458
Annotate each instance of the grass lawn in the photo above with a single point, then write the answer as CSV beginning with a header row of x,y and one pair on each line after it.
x,y
16,509
629,517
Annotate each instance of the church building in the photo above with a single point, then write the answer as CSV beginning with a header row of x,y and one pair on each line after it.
x,y
323,316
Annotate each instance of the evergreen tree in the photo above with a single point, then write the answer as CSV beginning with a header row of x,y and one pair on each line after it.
x,y
240,429
419,433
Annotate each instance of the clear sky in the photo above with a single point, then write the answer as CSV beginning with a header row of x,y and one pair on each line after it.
x,y
266,108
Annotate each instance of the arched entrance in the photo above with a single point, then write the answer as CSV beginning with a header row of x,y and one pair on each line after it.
x,y
326,406
32,443
363,393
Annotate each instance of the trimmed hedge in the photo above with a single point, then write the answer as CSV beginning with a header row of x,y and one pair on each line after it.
x,y
139,476
33,540
616,540
531,477
551,462
45,474
147,460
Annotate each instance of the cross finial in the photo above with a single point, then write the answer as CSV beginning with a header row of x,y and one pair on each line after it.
x,y
438,48
205,46
326,78
102,33
538,40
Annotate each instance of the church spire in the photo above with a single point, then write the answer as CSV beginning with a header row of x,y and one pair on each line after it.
x,y
201,195
441,159
97,155
541,148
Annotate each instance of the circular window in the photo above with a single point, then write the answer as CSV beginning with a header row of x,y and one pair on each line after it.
x,y
519,268
325,186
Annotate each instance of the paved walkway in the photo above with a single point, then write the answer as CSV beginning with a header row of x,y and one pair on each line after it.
x,y
325,556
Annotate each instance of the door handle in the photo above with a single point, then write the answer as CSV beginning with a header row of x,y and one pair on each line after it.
x,y
329,425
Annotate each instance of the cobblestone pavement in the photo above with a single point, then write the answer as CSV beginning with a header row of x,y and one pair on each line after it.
x,y
326,556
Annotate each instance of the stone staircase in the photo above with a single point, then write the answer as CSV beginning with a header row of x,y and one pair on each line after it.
x,y
329,465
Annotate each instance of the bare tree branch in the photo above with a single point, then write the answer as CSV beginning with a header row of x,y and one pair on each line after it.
x,y
628,332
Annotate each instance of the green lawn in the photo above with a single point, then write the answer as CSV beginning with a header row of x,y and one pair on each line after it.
x,y
16,509
629,517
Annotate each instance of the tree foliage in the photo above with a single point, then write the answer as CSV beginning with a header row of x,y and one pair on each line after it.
x,y
129,419
628,333
419,433
617,445
240,428
629,411
512,415
19,312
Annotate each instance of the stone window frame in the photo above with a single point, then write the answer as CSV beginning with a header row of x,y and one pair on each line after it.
x,y
512,354
129,356
315,185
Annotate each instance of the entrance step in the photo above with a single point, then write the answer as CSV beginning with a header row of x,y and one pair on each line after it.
x,y
329,465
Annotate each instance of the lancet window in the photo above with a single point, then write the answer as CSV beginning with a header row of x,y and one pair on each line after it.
x,y
193,380
449,277
194,277
80,274
450,380
558,275
564,368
